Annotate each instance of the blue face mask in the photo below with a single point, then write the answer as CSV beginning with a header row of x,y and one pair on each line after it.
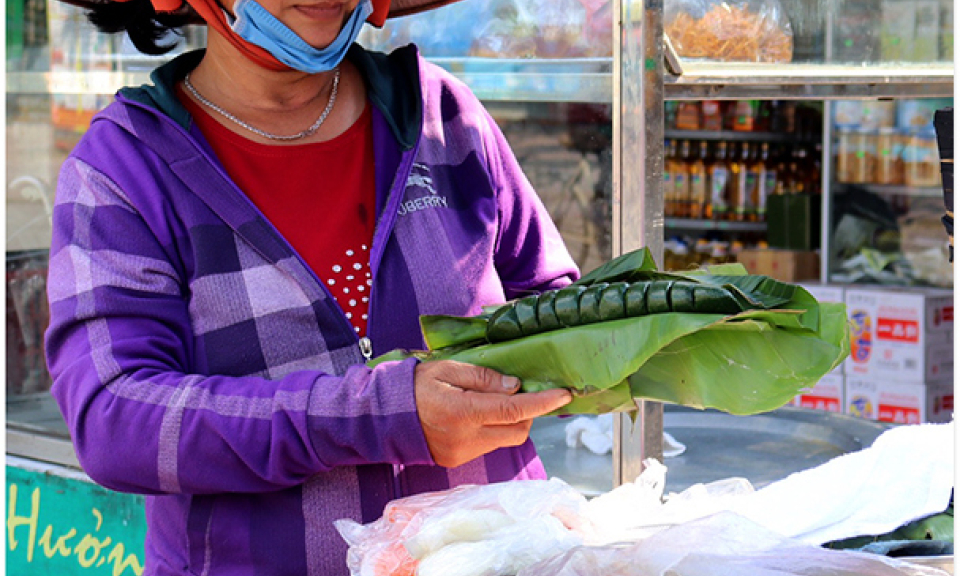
x,y
257,26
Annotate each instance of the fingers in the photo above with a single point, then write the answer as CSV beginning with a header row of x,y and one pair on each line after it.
x,y
471,377
498,410
467,411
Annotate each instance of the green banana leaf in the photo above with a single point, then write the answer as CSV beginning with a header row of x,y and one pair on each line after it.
x,y
938,527
751,362
622,268
751,291
744,367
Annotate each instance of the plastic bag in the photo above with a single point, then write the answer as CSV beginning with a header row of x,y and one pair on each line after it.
x,y
741,31
723,544
470,530
637,510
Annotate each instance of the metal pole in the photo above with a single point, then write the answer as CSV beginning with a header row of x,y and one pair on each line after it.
x,y
637,198
826,193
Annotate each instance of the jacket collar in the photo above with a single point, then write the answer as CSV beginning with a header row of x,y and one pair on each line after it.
x,y
393,86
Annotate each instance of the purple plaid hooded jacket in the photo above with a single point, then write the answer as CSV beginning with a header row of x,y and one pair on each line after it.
x,y
197,360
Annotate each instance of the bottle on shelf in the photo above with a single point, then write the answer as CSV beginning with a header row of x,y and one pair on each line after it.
x,y
808,170
701,252
676,255
745,115
712,115
688,116
765,111
766,169
681,181
699,182
669,154
719,172
743,180
846,156
890,169
752,182
670,114
783,172
778,119
719,253
797,177
865,146
921,168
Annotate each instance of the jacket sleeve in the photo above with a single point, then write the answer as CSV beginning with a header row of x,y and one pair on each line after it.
x,y
119,346
530,255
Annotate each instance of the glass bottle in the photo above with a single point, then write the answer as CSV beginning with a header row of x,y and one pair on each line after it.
x,y
766,169
702,250
921,155
669,152
743,181
754,173
796,175
846,157
865,147
719,172
719,253
699,182
681,182
889,157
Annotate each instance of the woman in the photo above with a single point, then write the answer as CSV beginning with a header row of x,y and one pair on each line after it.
x,y
233,241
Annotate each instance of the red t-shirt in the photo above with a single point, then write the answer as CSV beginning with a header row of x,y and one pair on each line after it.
x,y
320,197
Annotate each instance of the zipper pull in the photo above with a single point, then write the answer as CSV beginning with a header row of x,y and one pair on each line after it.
x,y
366,347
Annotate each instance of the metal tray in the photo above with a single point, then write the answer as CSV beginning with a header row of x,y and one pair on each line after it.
x,y
762,448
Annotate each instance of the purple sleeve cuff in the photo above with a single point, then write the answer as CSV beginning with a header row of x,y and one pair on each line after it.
x,y
370,418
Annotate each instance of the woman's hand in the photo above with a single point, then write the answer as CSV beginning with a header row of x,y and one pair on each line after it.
x,y
467,411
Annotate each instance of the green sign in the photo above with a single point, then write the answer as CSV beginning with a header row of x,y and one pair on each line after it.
x,y
57,524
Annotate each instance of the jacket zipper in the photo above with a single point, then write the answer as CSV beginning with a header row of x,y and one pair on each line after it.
x,y
366,347
387,221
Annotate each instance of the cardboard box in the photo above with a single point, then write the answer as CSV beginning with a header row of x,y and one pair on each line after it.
x,y
827,293
903,335
826,395
899,402
784,265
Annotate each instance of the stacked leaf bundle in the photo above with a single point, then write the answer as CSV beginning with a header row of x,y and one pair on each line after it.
x,y
714,338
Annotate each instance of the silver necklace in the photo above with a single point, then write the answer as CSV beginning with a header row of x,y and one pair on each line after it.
x,y
309,131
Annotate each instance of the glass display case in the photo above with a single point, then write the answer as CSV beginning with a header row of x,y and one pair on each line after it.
x,y
582,90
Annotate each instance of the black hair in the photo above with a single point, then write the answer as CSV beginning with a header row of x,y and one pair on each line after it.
x,y
145,26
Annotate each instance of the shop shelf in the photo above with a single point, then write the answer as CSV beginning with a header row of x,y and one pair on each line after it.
x,y
590,80
695,224
886,190
732,135
715,80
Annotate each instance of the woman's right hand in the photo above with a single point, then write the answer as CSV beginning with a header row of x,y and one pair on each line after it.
x,y
467,411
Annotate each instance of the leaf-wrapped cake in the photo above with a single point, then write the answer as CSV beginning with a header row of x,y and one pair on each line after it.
x,y
713,338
